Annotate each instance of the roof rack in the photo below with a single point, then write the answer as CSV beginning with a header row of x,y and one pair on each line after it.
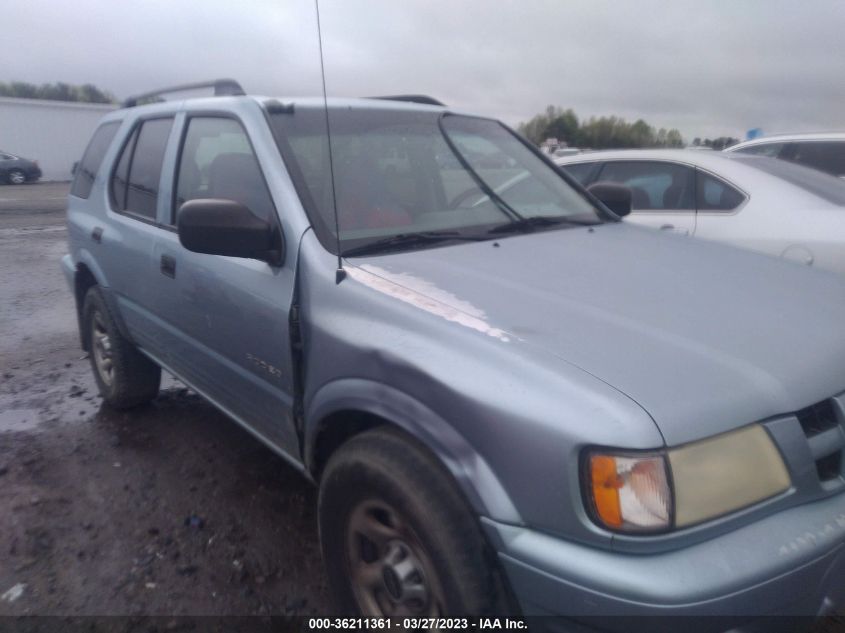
x,y
222,87
423,99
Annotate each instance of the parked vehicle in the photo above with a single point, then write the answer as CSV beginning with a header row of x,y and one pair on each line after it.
x,y
823,151
753,202
16,170
518,406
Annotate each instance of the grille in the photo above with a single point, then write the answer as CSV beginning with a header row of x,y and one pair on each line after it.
x,y
829,467
821,425
818,418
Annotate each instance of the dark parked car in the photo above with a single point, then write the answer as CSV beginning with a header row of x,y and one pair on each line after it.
x,y
16,170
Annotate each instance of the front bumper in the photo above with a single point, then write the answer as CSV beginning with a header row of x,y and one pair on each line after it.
x,y
790,563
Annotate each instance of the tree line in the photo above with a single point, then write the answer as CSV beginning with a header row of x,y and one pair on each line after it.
x,y
717,143
606,132
59,91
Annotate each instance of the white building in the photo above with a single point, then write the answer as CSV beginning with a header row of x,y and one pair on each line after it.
x,y
55,133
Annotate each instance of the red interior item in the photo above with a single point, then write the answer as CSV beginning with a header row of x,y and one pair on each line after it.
x,y
383,218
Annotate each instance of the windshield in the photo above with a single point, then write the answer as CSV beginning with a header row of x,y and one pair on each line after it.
x,y
398,174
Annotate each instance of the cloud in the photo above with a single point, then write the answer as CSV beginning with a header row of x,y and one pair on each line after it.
x,y
708,68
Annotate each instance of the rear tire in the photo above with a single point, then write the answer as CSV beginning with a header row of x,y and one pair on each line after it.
x,y
398,539
125,377
16,177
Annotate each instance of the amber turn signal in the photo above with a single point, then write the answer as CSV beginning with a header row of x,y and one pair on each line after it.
x,y
606,489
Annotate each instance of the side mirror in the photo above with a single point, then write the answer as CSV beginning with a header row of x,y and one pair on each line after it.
x,y
615,197
226,227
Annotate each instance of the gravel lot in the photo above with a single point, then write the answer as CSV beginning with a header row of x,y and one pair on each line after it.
x,y
171,509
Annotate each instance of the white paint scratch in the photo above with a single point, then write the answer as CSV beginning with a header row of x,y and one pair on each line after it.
x,y
14,593
426,296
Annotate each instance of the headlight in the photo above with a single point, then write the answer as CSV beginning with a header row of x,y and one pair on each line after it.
x,y
657,491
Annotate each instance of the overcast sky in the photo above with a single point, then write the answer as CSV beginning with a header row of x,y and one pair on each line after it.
x,y
709,68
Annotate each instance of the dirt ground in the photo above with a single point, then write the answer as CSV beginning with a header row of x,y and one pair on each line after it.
x,y
171,509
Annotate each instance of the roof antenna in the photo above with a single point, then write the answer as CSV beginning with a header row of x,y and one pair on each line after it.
x,y
340,274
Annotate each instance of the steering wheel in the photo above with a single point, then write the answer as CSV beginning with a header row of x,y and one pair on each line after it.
x,y
463,196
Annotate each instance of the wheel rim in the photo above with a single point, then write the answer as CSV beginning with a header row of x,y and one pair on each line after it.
x,y
390,572
101,346
17,178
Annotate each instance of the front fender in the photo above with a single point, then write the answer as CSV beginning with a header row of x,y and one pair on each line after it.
x,y
471,472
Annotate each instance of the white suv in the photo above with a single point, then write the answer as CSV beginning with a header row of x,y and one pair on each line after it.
x,y
822,151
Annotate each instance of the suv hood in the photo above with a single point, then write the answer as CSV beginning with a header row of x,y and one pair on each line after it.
x,y
704,337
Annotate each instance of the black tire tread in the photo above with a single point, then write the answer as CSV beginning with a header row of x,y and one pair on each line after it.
x,y
136,378
470,565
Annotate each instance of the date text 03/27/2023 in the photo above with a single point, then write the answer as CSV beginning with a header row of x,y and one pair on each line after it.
x,y
416,623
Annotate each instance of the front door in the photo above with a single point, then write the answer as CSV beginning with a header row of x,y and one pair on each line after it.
x,y
226,318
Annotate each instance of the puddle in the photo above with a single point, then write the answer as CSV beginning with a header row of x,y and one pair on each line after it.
x,y
19,420
21,231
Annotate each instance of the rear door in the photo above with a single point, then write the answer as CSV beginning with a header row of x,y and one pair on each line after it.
x,y
127,238
663,192
225,319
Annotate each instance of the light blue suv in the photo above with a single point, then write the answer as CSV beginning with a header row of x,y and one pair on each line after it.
x,y
511,402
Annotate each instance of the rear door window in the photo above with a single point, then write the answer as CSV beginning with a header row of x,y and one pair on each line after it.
x,y
217,161
655,185
88,167
135,182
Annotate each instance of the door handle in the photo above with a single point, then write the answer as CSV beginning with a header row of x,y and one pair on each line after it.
x,y
168,266
97,234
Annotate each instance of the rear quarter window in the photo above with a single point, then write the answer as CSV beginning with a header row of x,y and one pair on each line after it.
x,y
88,167
714,194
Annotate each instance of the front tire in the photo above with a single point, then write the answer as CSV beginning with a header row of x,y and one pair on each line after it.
x,y
16,177
125,377
398,539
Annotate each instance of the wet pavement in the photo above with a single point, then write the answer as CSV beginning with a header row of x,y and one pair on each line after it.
x,y
170,509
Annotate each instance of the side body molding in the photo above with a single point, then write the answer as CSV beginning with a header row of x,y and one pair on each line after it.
x,y
473,475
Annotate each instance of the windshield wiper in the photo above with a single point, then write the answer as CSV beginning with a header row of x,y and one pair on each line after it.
x,y
500,203
410,239
540,221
